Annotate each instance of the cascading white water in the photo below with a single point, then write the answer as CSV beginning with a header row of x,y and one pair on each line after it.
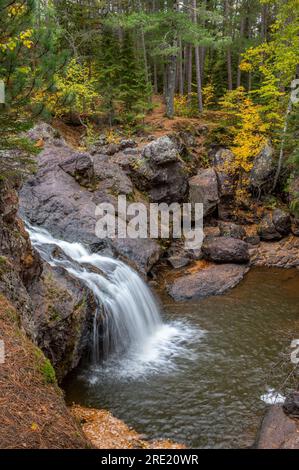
x,y
127,323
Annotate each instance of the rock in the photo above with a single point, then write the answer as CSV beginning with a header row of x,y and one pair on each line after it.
x,y
266,229
278,431
158,170
79,166
127,144
111,176
225,250
293,189
20,265
54,199
45,132
229,229
54,309
291,405
212,280
282,254
143,253
252,240
282,221
161,151
204,190
295,227
263,168
211,232
222,161
178,262
63,321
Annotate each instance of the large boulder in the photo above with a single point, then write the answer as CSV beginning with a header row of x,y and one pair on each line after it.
x,y
158,170
46,133
278,431
204,190
282,221
111,176
212,280
274,226
161,151
225,250
80,166
263,169
267,231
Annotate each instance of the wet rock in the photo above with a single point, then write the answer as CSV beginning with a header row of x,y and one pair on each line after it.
x,y
212,280
282,221
225,250
229,229
80,166
204,190
178,262
291,405
267,230
278,431
143,253
263,169
64,310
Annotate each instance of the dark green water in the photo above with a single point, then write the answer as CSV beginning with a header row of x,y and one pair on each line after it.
x,y
206,392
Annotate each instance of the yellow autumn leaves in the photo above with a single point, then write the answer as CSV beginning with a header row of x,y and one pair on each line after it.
x,y
24,38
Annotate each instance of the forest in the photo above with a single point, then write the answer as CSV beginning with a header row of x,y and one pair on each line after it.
x,y
155,345
102,63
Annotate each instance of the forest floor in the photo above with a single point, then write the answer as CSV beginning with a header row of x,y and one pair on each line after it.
x,y
33,414
156,124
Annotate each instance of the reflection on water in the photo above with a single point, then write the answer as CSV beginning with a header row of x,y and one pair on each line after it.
x,y
208,392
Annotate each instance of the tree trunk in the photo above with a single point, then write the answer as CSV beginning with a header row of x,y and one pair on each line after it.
x,y
239,74
227,12
171,72
197,64
189,73
170,87
180,69
155,78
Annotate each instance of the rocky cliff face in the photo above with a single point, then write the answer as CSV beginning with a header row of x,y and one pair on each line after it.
x,y
54,310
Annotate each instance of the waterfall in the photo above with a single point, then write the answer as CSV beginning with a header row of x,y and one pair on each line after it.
x,y
127,312
129,338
